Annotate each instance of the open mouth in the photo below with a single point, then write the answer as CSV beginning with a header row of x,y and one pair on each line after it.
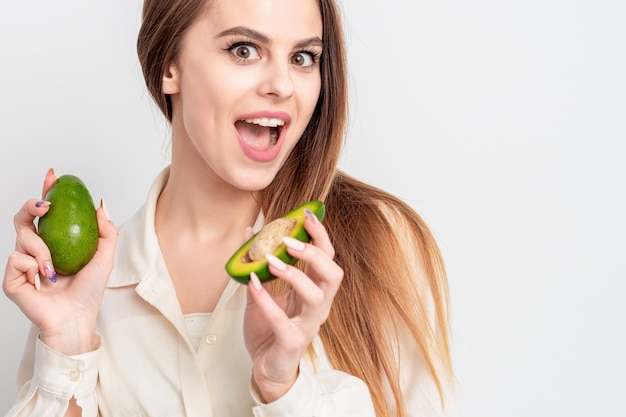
x,y
260,134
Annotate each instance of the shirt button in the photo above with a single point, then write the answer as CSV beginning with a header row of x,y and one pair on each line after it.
x,y
210,339
74,375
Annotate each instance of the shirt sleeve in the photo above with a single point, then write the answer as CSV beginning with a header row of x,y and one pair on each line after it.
x,y
328,393
49,380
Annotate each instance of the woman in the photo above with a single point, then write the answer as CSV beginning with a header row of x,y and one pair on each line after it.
x,y
256,96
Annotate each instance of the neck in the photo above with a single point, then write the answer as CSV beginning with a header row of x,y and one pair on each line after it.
x,y
200,206
200,221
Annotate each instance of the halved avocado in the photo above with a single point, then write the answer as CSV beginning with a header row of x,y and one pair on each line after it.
x,y
269,239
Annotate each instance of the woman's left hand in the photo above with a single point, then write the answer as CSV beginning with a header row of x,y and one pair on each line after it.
x,y
278,330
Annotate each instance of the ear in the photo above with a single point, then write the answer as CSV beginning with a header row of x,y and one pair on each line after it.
x,y
171,80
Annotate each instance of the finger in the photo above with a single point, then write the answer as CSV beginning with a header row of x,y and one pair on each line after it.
x,y
21,269
107,229
319,265
315,296
29,243
318,233
312,304
273,314
48,181
107,242
33,208
308,291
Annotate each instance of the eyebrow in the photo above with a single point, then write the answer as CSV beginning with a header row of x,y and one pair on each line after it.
x,y
263,39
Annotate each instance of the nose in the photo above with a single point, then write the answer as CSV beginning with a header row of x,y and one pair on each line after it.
x,y
277,80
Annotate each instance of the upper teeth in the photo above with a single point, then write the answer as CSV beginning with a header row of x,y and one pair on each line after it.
x,y
266,121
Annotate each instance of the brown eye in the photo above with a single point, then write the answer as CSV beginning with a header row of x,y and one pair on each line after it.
x,y
244,52
302,59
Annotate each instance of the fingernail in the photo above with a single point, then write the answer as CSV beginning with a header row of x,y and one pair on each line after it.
x,y
256,282
50,272
292,243
42,203
37,282
310,215
275,262
104,209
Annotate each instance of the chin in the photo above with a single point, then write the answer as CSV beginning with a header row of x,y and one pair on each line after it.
x,y
257,177
254,184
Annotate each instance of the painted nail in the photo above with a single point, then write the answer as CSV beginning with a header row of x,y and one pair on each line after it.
x,y
256,282
37,282
50,272
294,244
275,262
104,209
310,215
42,203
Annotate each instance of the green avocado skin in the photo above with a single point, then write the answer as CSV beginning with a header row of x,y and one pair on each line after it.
x,y
70,227
240,271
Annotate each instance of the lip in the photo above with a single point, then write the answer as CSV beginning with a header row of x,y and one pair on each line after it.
x,y
271,153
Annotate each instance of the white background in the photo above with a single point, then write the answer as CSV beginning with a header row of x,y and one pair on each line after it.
x,y
502,122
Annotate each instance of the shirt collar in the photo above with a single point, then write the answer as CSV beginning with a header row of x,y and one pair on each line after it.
x,y
137,245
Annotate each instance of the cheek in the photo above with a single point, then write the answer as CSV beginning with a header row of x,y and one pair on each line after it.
x,y
221,89
310,96
207,99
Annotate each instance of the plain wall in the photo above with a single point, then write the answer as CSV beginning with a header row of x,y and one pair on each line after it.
x,y
502,122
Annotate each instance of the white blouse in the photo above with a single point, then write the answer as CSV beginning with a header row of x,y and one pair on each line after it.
x,y
153,361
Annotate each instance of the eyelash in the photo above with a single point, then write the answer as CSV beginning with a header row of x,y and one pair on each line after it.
x,y
315,55
237,44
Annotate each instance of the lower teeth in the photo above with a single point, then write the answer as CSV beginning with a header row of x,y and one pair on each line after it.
x,y
273,136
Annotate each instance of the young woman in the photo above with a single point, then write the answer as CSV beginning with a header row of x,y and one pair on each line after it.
x,y
255,92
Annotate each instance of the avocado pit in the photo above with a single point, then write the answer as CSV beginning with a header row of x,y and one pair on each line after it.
x,y
269,238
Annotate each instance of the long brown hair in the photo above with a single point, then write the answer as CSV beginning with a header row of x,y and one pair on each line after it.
x,y
380,294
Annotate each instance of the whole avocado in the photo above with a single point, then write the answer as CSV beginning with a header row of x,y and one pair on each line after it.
x,y
70,227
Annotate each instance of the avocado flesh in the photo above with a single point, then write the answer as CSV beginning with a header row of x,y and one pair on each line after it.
x,y
239,266
269,238
70,227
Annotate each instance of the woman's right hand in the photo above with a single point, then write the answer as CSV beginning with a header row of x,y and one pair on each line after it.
x,y
65,311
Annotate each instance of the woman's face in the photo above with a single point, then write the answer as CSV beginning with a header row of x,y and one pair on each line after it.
x,y
245,86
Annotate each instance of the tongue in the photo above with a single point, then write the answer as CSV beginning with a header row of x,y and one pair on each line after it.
x,y
255,136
